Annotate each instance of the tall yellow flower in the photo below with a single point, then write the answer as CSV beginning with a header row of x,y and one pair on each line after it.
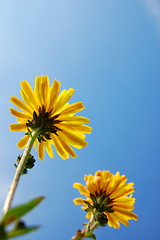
x,y
109,195
48,110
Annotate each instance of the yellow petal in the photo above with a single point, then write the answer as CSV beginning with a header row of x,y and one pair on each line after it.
x,y
122,206
111,221
73,108
16,101
81,189
75,119
123,190
129,215
20,114
88,215
27,89
79,201
54,91
73,138
63,98
124,200
49,149
120,218
38,90
77,127
28,102
45,86
91,186
18,127
120,181
67,147
59,148
22,143
41,150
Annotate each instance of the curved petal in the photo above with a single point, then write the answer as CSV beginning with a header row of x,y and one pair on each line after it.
x,y
22,143
18,127
111,221
79,201
41,150
120,218
68,149
59,148
73,119
54,91
73,138
81,189
76,127
73,108
49,149
20,114
63,98
27,89
128,214
21,105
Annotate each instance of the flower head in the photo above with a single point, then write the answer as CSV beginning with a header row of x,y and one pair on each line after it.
x,y
108,195
47,110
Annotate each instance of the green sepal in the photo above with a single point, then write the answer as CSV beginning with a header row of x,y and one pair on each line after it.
x,y
90,235
89,209
18,232
15,213
94,200
29,132
103,208
106,200
108,209
86,202
100,204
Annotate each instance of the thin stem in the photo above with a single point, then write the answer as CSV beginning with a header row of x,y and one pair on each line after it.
x,y
90,227
18,172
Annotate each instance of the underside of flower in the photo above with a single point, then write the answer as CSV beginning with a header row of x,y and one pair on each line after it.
x,y
45,109
99,204
45,123
107,194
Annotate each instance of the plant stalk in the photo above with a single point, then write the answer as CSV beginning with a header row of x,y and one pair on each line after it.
x,y
90,227
19,171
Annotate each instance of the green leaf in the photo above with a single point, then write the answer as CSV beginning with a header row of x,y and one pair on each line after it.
x,y
18,232
17,212
2,233
90,235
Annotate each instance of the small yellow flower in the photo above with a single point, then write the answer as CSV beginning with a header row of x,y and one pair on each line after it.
x,y
48,110
109,194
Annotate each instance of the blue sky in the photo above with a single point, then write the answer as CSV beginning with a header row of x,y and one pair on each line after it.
x,y
109,51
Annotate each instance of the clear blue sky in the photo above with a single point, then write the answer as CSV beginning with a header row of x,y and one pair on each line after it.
x,y
109,51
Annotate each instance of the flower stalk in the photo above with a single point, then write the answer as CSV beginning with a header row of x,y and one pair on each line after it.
x,y
89,228
19,170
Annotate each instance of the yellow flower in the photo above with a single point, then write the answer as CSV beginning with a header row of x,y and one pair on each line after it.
x,y
110,194
48,110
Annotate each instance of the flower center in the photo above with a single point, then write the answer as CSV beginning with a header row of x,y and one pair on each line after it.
x,y
45,123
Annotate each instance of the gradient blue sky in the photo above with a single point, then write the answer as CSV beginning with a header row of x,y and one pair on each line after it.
x,y
109,51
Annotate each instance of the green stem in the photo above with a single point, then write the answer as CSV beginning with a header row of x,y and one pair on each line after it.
x,y
90,227
19,170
